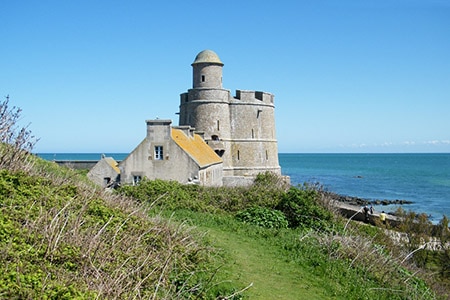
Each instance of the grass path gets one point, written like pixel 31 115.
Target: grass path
pixel 252 259
pixel 256 262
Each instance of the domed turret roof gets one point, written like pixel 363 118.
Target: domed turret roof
pixel 207 56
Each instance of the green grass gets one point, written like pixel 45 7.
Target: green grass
pixel 287 264
pixel 316 256
pixel 253 262
pixel 262 267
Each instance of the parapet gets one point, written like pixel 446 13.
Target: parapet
pixel 187 130
pixel 251 96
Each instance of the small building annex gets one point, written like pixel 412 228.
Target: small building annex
pixel 105 173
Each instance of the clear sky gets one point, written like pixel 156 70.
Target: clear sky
pixel 348 76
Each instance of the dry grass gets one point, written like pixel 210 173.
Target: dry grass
pixel 97 242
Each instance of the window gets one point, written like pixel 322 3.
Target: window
pixel 253 134
pixel 267 155
pixel 218 125
pixel 238 155
pixel 203 78
pixel 136 179
pixel 220 152
pixel 214 137
pixel 159 153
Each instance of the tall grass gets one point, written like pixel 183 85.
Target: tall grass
pixel 63 238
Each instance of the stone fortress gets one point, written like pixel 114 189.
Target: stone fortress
pixel 221 139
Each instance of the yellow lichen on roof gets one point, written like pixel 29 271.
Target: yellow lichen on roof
pixel 196 148
pixel 113 164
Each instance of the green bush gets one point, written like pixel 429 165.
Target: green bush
pixel 264 217
pixel 173 195
pixel 301 208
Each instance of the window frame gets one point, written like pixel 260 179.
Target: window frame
pixel 158 152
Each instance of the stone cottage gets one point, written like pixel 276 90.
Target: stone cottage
pixel 172 153
pixel 105 173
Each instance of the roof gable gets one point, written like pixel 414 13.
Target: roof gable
pixel 196 148
pixel 110 161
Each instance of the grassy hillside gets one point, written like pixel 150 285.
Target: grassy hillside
pixel 315 254
pixel 63 238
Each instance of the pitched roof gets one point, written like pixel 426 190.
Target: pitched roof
pixel 196 147
pixel 112 163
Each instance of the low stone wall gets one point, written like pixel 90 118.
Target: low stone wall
pixel 77 164
pixel 234 181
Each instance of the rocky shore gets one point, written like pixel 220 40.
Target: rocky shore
pixel 361 201
pixel 352 207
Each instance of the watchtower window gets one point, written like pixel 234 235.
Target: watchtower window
pixel 218 125
pixel 220 152
pixel 238 155
pixel 203 78
pixel 253 134
pixel 159 153
pixel 214 137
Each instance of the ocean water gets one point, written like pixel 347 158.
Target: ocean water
pixel 423 179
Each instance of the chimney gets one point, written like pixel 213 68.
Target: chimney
pixel 158 130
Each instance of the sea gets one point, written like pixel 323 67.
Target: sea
pixel 422 178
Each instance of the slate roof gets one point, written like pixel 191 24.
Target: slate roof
pixel 196 148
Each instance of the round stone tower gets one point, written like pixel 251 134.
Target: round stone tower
pixel 206 106
pixel 239 129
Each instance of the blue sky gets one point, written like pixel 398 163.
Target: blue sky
pixel 348 76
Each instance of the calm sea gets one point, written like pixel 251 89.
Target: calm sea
pixel 421 178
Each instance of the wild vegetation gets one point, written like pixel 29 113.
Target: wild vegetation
pixel 351 259
pixel 61 237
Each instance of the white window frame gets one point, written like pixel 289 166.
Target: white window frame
pixel 159 153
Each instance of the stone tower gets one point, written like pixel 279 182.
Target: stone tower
pixel 240 129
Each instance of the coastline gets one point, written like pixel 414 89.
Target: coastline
pixel 373 178
pixel 356 213
pixel 357 201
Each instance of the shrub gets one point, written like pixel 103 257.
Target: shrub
pixel 16 143
pixel 301 208
pixel 264 217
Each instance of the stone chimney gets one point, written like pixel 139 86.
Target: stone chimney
pixel 158 130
